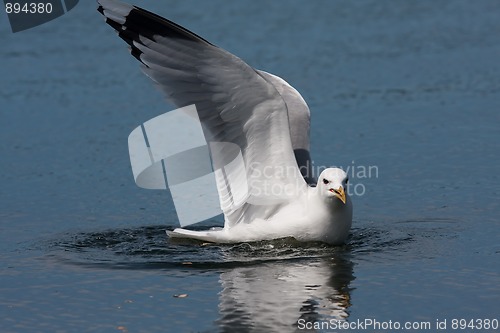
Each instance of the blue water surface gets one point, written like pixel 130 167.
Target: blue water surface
pixel 408 88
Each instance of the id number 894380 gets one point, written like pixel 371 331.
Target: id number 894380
pixel 28 8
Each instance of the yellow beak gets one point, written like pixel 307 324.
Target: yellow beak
pixel 339 193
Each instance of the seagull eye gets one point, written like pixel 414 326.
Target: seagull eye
pixel 346 180
pixel 325 181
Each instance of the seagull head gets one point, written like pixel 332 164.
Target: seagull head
pixel 332 183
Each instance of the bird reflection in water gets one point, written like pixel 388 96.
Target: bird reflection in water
pixel 274 296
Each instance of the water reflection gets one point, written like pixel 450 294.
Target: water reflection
pixel 264 286
pixel 275 296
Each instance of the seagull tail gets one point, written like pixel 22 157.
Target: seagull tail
pixel 213 236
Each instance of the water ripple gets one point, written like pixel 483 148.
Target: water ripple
pixel 149 248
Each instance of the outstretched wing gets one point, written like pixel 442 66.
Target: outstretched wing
pixel 235 104
pixel 299 119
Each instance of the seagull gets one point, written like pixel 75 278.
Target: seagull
pixel 259 112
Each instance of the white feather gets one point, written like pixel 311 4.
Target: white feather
pixel 258 112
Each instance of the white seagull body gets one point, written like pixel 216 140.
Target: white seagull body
pixel 260 113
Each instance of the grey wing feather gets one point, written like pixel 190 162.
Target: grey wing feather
pixel 235 103
pixel 299 118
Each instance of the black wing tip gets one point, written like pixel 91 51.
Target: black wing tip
pixel 128 36
pixel 149 24
pixel 159 25
pixel 115 25
pixel 140 22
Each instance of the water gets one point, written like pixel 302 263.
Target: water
pixel 412 88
